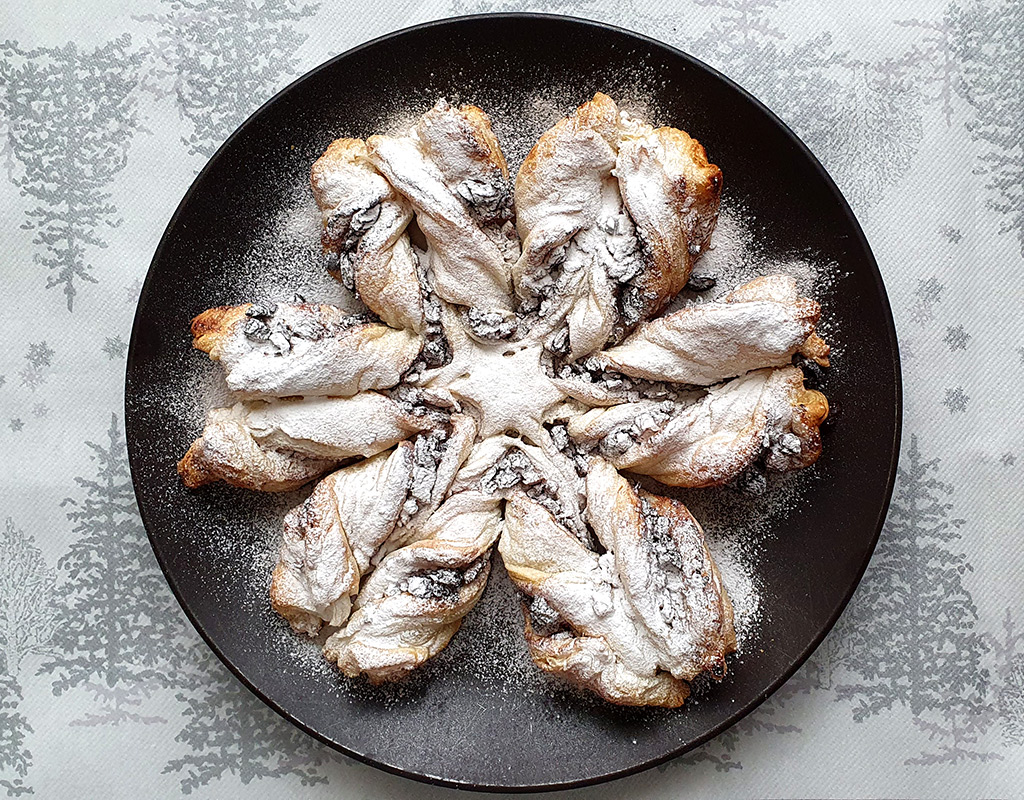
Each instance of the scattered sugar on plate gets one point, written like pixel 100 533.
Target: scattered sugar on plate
pixel 285 259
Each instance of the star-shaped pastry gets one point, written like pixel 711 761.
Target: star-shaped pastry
pixel 515 354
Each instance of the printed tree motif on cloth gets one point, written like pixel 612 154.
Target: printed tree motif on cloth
pixel 26 598
pixel 26 625
pixel 116 613
pixel 874 129
pixel 861 118
pixel 911 629
pixel 459 7
pixel 219 60
pixel 933 63
pixel 229 731
pixel 15 758
pixel 990 43
pixel 1008 683
pixel 71 115
pixel 823 669
pixel 722 751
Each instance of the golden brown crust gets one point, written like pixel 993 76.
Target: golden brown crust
pixel 816 349
pixel 693 188
pixel 339 153
pixel 191 469
pixel 214 325
pixel 561 655
pixel 599 115
pixel 197 468
pixel 479 131
pixel 810 410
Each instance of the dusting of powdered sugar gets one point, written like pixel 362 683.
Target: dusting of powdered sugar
pixel 285 258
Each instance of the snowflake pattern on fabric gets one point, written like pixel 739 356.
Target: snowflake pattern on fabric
pixel 956 400
pixel 956 68
pixel 113 347
pixel 39 355
pixel 957 338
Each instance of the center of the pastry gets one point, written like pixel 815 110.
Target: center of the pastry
pixel 507 386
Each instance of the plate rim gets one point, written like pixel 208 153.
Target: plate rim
pixel 860 241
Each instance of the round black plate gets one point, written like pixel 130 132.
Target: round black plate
pixel 471 719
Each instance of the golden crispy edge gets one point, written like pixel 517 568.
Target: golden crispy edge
pixel 543 650
pixel 214 325
pixel 810 410
pixel 340 151
pixel 599 114
pixel 196 471
pixel 690 177
pixel 192 467
pixel 479 125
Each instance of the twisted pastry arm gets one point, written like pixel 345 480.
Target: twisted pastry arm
pixel 355 517
pixel 413 603
pixel 612 213
pixel 761 324
pixel 634 624
pixel 282 350
pixel 330 539
pixel 451 170
pixel 277 445
pixel 365 227
pixel 712 440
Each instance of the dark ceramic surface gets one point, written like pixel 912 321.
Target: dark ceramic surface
pixel 456 724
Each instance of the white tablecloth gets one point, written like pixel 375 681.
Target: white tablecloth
pixel 110 108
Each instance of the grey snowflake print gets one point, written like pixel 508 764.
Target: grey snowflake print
pixel 16 424
pixel 132 292
pixel 930 290
pixel 32 377
pixel 951 234
pixel 957 338
pixel 956 400
pixel 3 380
pixel 928 293
pixel 1008 459
pixel 114 348
pixel 1020 352
pixel 40 410
pixel 39 355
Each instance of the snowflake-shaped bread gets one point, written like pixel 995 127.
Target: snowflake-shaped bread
pixel 514 356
